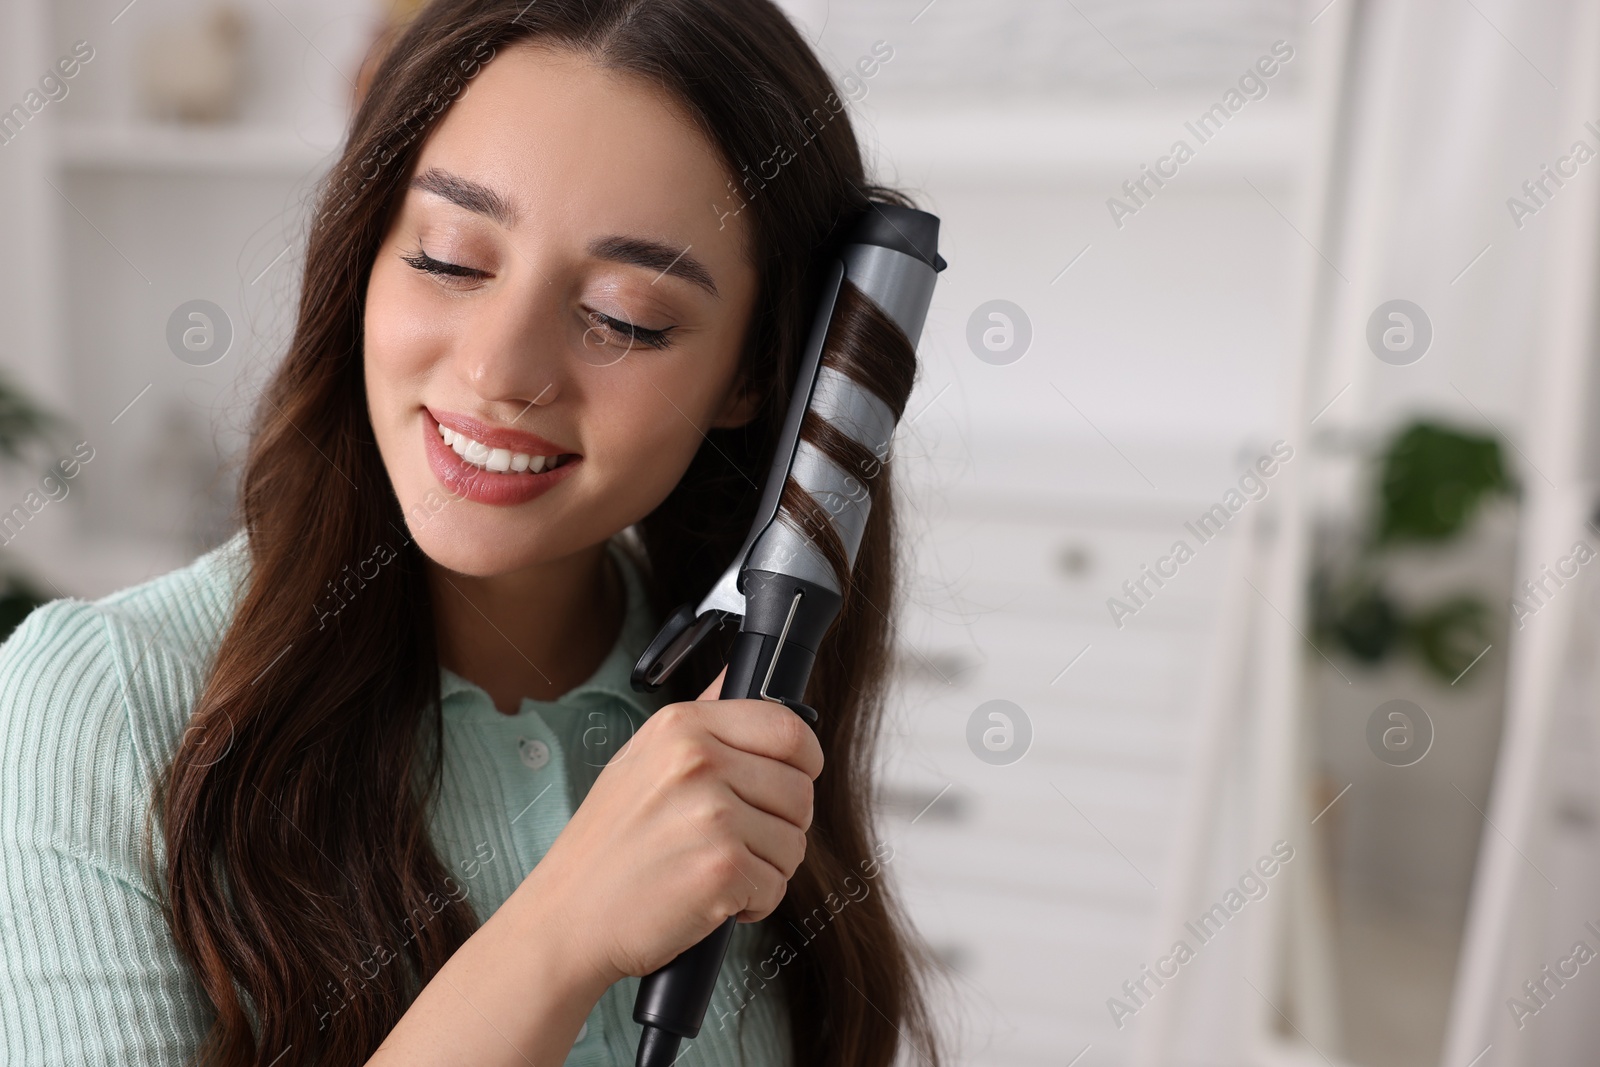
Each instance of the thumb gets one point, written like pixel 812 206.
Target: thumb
pixel 715 687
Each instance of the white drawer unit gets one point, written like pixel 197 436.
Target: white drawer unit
pixel 1037 880
pixel 1063 566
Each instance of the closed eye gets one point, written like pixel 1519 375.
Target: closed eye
pixel 648 338
pixel 421 261
pixel 428 265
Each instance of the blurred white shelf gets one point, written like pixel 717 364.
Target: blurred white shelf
pixel 1041 141
pixel 172 148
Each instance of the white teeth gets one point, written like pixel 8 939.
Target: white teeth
pixel 495 459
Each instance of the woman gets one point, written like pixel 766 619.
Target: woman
pixel 367 783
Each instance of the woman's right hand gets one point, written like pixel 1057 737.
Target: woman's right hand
pixel 702 814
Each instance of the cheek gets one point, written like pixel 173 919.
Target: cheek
pixel 644 436
pixel 397 337
pixel 646 426
pixel 398 351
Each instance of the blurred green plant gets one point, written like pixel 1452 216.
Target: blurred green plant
pixel 24 424
pixel 1431 482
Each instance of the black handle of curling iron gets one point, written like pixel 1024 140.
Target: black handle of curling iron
pixel 771 660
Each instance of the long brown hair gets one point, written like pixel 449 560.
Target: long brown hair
pixel 293 842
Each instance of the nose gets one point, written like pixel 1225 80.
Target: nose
pixel 510 353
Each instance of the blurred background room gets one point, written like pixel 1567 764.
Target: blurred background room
pixel 1245 709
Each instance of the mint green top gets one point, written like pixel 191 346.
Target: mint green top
pixel 94 697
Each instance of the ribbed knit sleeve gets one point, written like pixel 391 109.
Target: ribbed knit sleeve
pixel 94 700
pixel 89 974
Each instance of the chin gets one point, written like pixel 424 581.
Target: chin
pixel 475 561
pixel 483 541
pixel 469 538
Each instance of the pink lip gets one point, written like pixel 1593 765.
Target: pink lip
pixel 500 488
pixel 497 436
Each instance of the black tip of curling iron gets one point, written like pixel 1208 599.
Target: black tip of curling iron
pixel 657 1048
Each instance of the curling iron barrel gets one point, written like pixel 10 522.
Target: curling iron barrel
pixel 780 584
pixel 901 284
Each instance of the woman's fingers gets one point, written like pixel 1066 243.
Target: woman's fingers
pixel 745 746
pixel 777 841
pixel 773 788
pixel 714 801
pixel 763 882
pixel 736 870
pixel 759 727
pixel 769 838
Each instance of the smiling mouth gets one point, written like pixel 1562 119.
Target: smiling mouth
pixel 500 460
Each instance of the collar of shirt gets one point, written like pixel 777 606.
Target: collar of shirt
pixel 609 680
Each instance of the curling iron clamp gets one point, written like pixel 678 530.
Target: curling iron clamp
pixel 780 585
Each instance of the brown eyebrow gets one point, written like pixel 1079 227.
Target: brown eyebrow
pixel 654 255
pixel 618 248
pixel 464 192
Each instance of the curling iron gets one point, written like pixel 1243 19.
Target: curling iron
pixel 780 585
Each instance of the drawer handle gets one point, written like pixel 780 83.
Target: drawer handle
pixel 944 667
pixel 1074 561
pixel 923 803
pixel 952 955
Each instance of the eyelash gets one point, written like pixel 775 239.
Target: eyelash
pixel 428 265
pixel 425 263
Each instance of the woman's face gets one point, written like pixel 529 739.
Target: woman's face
pixel 555 206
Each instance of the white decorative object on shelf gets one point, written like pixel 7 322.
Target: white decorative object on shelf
pixel 194 71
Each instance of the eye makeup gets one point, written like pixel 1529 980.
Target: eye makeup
pixel 452 273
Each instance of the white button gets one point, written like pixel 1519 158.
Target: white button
pixel 583 1031
pixel 535 753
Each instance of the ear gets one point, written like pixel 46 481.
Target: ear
pixel 739 405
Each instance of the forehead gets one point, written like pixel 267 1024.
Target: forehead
pixel 575 147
